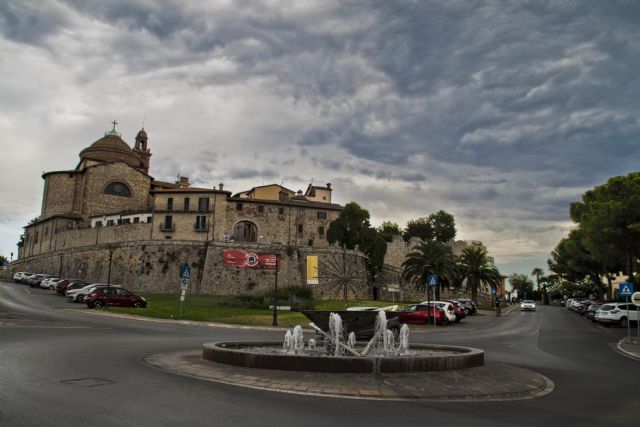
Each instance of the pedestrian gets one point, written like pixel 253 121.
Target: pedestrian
pixel 497 306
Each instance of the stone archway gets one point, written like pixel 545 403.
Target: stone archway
pixel 245 231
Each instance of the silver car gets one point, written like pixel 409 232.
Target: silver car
pixel 528 305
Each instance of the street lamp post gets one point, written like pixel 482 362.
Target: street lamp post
pixel 274 321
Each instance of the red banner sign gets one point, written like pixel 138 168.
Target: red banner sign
pixel 244 259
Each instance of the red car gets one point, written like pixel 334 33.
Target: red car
pixel 422 313
pixel 459 310
pixel 114 297
pixel 61 286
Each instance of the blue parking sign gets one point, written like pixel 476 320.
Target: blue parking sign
pixel 625 289
pixel 432 280
pixel 185 272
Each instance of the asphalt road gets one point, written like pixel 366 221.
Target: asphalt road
pixel 63 367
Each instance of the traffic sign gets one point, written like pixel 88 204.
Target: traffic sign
pixel 635 298
pixel 432 280
pixel 626 289
pixel 184 284
pixel 493 291
pixel 185 272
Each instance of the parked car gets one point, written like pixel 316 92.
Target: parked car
pixel 582 306
pixel 459 310
pixel 78 295
pixel 50 283
pixel 114 297
pixel 591 312
pixel 69 284
pixel 469 305
pixel 447 307
pixel 423 313
pixel 19 276
pixel 619 313
pixel 528 305
pixel 25 276
pixel 34 281
pixel 577 303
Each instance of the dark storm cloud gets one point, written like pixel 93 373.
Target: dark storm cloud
pixel 30 22
pixel 242 173
pixel 501 111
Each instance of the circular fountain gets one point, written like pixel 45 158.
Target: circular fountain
pixel 339 352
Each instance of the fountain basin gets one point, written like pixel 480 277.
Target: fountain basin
pixel 434 358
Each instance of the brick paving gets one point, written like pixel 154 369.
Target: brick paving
pixel 489 382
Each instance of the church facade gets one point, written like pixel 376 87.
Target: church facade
pixel 109 220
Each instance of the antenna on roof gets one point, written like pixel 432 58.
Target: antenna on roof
pixel 144 119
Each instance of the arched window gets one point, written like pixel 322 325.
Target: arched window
pixel 118 189
pixel 245 231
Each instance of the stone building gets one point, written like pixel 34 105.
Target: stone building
pixel 109 205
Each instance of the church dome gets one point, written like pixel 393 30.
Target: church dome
pixel 111 148
pixel 111 141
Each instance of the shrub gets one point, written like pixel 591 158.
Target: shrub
pixel 246 301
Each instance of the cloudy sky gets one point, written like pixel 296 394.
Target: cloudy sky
pixel 500 112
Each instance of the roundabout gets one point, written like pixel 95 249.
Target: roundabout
pixel 490 382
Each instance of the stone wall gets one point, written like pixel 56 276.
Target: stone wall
pixel 154 265
pixel 58 193
pixel 96 202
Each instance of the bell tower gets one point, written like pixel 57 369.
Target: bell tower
pixel 142 151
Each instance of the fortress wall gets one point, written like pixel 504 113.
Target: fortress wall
pixel 154 265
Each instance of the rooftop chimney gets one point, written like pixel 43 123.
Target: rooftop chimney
pixel 328 186
pixel 221 186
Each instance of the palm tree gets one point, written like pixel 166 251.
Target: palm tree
pixel 428 257
pixel 478 269
pixel 539 272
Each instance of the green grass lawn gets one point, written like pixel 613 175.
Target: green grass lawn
pixel 211 308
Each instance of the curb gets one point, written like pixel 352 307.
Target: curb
pixel 635 355
pixel 470 385
pixel 179 322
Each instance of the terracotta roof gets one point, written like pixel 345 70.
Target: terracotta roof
pixel 290 202
pixel 190 190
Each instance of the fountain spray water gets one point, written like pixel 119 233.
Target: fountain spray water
pixel 335 334
pixel 351 342
pixel 382 344
pixel 403 347
pixel 294 341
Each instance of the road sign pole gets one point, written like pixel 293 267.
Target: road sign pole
pixel 182 298
pixel 628 323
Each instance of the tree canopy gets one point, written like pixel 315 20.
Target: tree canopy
pixel 522 284
pixel 609 219
pixel 389 229
pixel 438 226
pixel 352 228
